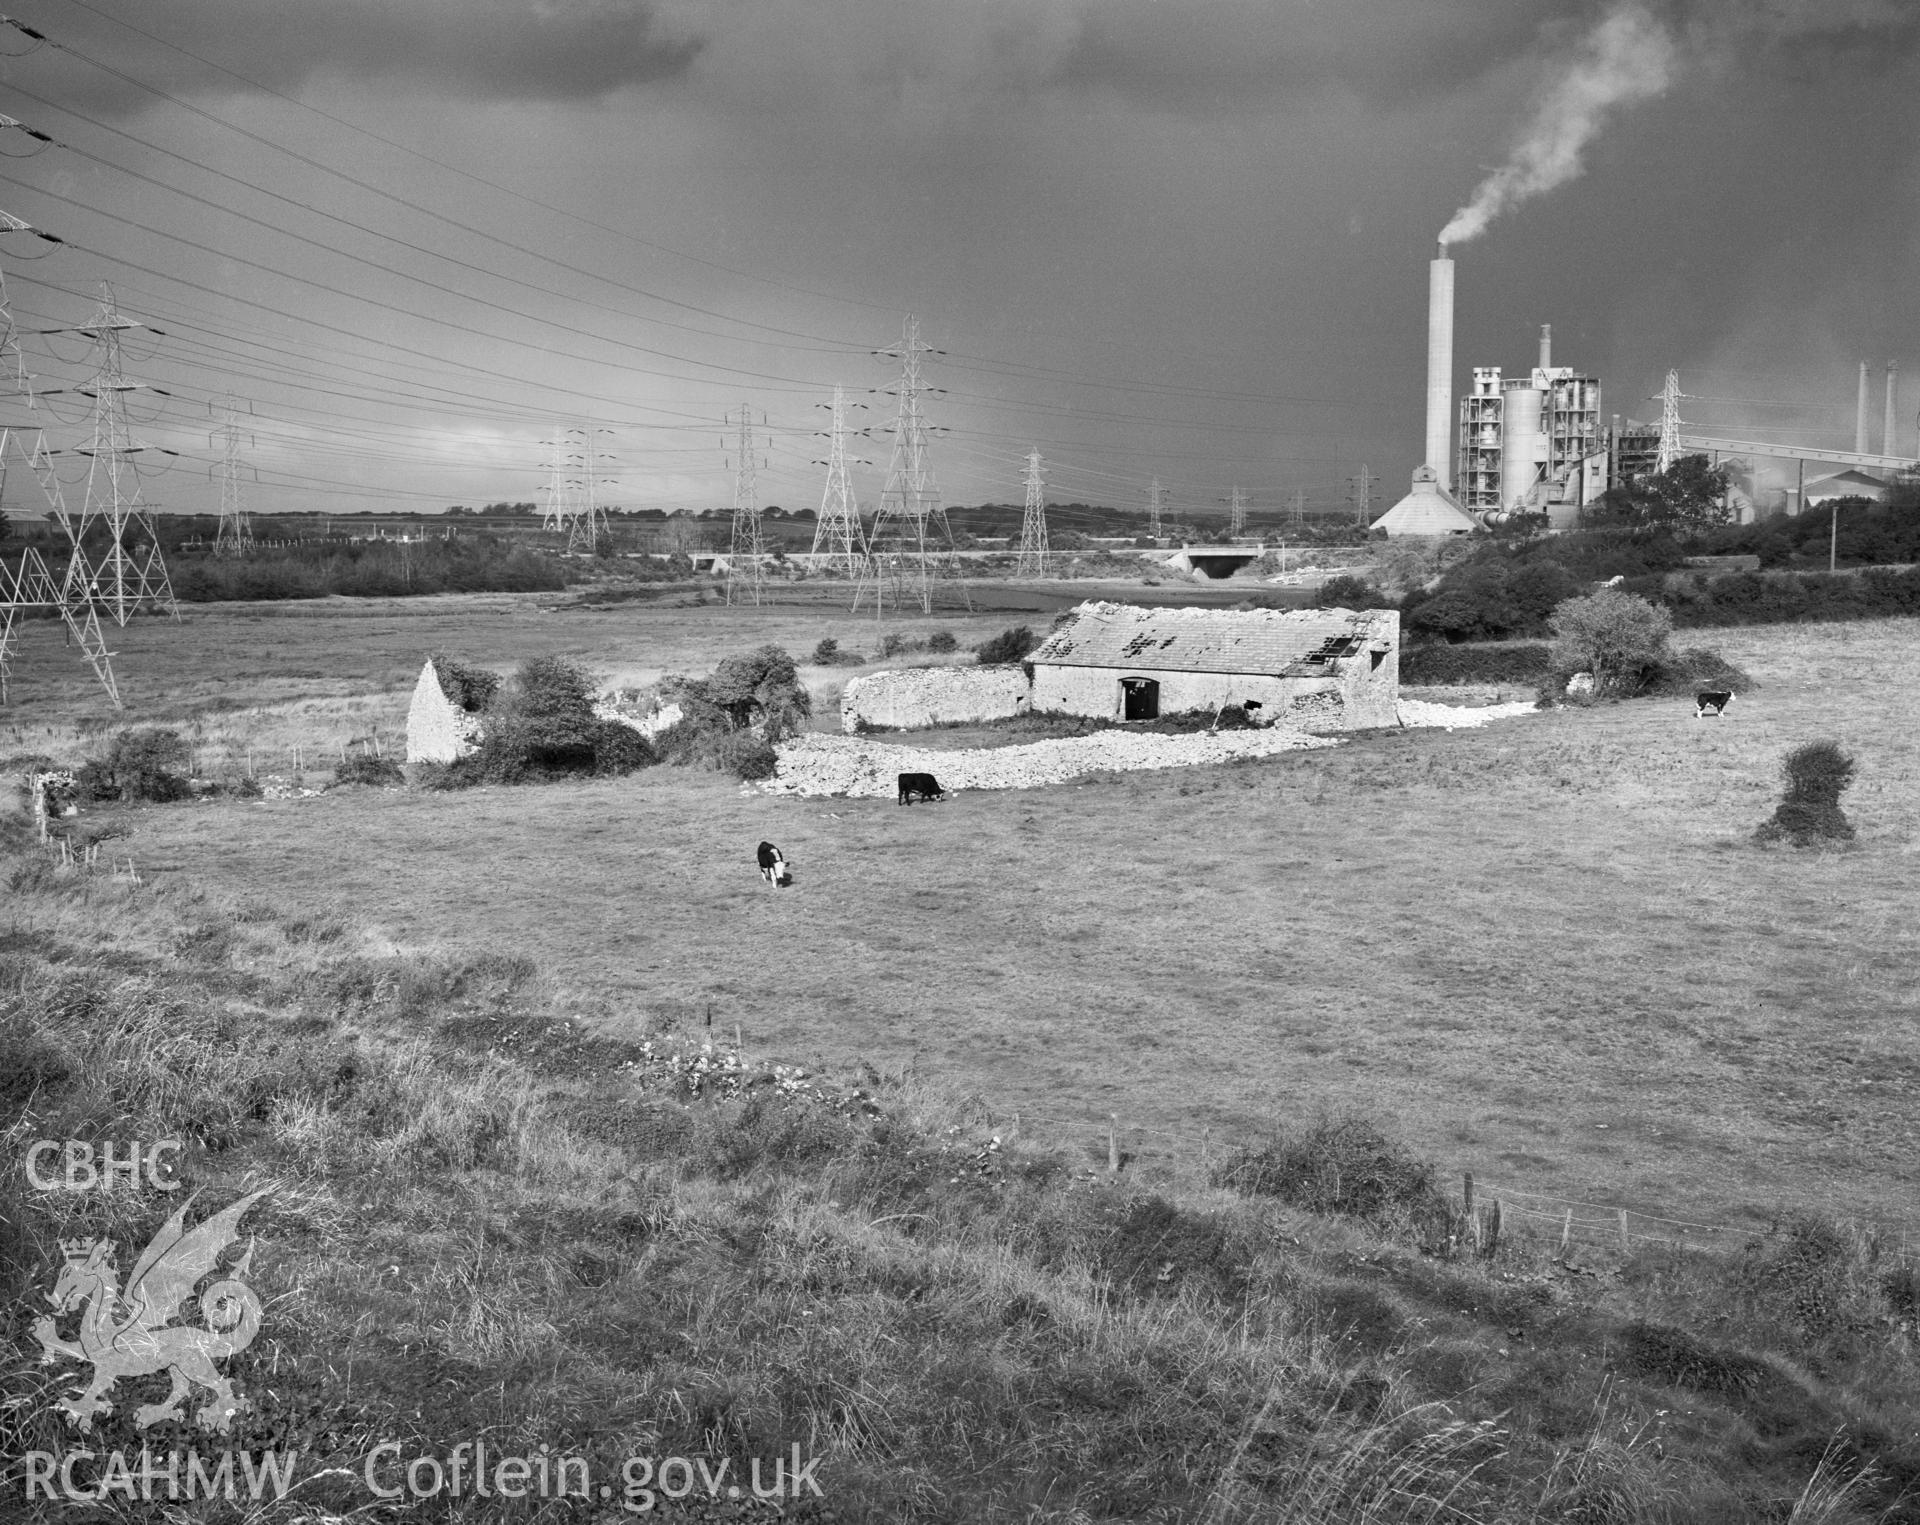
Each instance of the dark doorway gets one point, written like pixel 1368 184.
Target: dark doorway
pixel 1139 698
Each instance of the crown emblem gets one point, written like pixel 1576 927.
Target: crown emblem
pixel 77 1249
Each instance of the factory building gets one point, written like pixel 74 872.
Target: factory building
pixel 1532 443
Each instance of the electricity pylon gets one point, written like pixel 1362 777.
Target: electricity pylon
pixel 1670 396
pixel 1297 513
pixel 590 514
pixel 836 533
pixel 1237 512
pixel 558 512
pixel 573 487
pixel 1032 560
pixel 29 585
pixel 910 527
pixel 1156 509
pixel 235 535
pixel 1362 497
pixel 746 545
pixel 124 579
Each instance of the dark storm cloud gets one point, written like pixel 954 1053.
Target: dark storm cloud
pixel 1177 58
pixel 485 49
pixel 1384 50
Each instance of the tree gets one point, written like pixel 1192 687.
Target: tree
pixel 759 691
pixel 1689 494
pixel 6 529
pixel 1612 634
pixel 1349 592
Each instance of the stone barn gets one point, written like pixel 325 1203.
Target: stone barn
pixel 1324 669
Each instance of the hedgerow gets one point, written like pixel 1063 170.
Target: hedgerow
pixel 1488 662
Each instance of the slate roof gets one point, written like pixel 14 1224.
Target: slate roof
pixel 1271 642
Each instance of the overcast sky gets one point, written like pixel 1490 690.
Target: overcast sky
pixel 1183 238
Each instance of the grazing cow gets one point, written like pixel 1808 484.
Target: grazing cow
pixel 1713 702
pixel 773 866
pixel 920 786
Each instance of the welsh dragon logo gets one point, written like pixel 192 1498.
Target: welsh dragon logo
pixel 131 1333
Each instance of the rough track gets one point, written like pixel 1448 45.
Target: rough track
pixel 863 768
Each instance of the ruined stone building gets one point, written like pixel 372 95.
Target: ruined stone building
pixel 438 730
pixel 1332 669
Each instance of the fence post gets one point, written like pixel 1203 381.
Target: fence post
pixel 1626 1244
pixel 1493 1231
pixel 1566 1234
pixel 1113 1143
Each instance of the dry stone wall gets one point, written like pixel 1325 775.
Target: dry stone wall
pixel 915 697
pixel 863 767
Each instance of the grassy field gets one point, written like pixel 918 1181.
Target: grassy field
pixel 1544 951
pixel 1545 948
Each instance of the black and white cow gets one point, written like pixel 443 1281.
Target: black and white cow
pixel 1711 702
pixel 773 866
pixel 920 786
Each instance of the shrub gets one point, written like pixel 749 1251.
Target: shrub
pixel 1007 646
pixel 619 749
pixel 760 690
pixel 1349 592
pixel 543 727
pixel 1335 1165
pixel 1816 775
pixel 893 643
pixel 1613 634
pixel 943 641
pixel 148 764
pixel 471 688
pixel 747 756
pixel 733 718
pixel 1683 674
pixel 1450 616
pixel 365 768
pixel 826 653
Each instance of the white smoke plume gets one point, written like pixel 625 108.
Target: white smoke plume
pixel 1628 57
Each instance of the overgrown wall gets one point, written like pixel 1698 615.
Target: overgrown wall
pixel 921 696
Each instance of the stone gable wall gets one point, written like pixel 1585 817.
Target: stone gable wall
pixel 913 697
pixel 438 730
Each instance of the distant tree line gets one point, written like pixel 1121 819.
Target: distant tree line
pixel 369 569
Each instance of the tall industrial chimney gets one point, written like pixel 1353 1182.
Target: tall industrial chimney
pixel 1890 437
pixel 1860 415
pixel 1440 369
pixel 1546 346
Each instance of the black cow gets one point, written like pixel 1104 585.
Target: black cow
pixel 1713 702
pixel 773 866
pixel 920 786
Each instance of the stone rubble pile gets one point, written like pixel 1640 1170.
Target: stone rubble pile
pixel 863 767
pixel 1418 712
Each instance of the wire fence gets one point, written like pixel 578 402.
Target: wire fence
pixel 1570 1217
